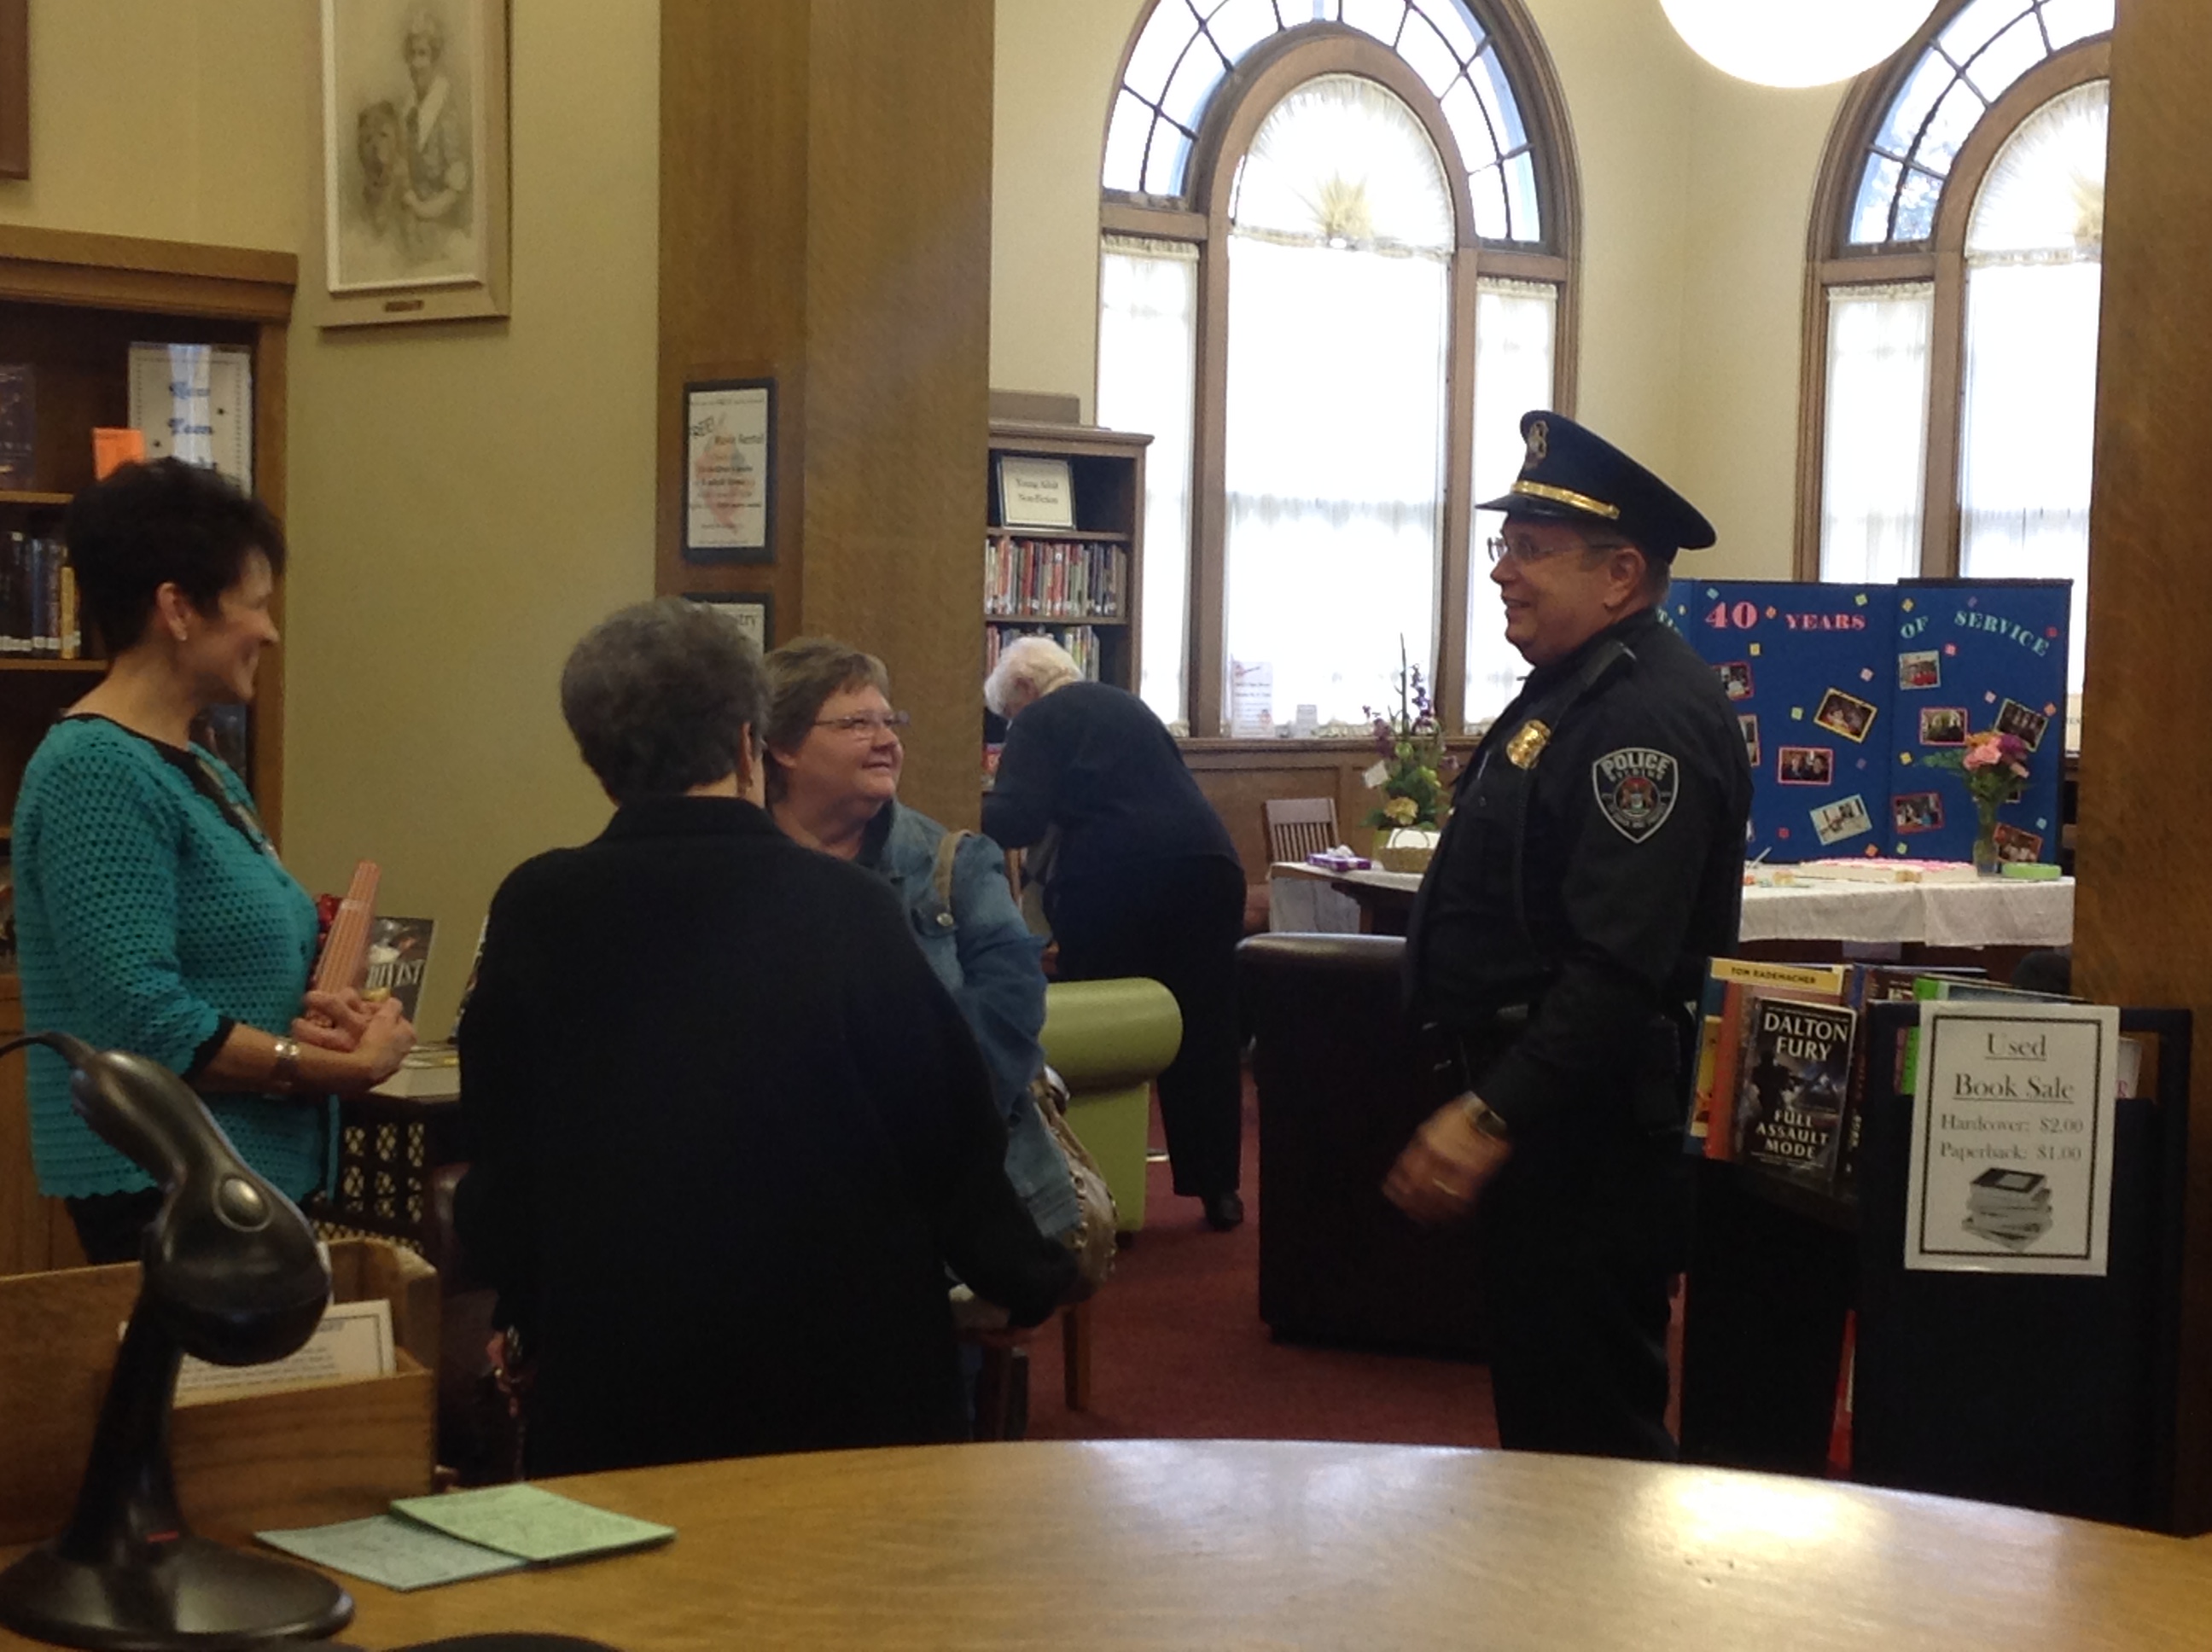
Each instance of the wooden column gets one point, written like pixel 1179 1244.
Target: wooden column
pixel 826 219
pixel 2143 920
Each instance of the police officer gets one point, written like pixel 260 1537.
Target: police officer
pixel 1593 861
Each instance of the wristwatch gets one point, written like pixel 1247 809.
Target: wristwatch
pixel 287 1074
pixel 1486 1119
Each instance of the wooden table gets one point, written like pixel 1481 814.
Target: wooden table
pixel 1161 1544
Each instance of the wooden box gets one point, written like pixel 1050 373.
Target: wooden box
pixel 295 1458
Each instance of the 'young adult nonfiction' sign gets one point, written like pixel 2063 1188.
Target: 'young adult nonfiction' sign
pixel 2011 1170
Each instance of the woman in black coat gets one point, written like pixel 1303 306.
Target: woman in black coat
pixel 727 1131
pixel 1142 880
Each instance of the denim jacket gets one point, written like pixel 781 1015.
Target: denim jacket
pixel 988 960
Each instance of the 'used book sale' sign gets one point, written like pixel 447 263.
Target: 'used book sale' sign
pixel 2012 1139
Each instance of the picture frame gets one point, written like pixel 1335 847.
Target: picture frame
pixel 1846 714
pixel 754 611
pixel 410 190
pixel 15 88
pixel 729 471
pixel 1034 492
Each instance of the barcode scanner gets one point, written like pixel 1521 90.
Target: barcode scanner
pixel 233 1274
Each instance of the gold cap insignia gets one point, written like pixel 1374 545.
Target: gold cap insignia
pixel 1527 744
pixel 1540 443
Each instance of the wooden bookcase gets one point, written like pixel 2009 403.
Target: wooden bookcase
pixel 72 305
pixel 1107 468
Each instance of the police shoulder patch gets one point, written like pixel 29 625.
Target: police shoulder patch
pixel 1636 787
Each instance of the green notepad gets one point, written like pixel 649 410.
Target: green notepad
pixel 425 1541
pixel 532 1523
pixel 399 1554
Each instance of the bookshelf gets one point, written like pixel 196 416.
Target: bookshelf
pixel 70 305
pixel 1082 586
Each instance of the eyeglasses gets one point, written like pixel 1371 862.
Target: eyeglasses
pixel 1523 551
pixel 867 722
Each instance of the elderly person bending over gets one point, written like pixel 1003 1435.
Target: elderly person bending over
pixel 834 760
pixel 728 1130
pixel 1143 881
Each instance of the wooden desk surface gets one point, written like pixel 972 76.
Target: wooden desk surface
pixel 1161 1544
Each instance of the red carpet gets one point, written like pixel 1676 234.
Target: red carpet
pixel 1180 1351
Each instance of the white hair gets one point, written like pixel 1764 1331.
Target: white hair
pixel 1037 665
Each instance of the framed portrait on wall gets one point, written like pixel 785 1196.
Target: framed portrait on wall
pixel 15 88
pixel 729 471
pixel 410 185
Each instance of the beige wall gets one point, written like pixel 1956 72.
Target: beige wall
pixel 1695 192
pixel 465 501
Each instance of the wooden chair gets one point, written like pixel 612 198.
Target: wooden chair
pixel 1299 827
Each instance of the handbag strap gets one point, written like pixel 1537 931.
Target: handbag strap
pixel 948 849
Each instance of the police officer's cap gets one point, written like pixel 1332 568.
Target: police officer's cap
pixel 1571 475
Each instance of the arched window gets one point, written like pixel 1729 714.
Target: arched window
pixel 1336 267
pixel 1952 350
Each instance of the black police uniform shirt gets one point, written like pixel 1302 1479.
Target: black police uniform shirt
pixel 1630 865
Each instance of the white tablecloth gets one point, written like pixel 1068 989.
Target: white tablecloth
pixel 1988 912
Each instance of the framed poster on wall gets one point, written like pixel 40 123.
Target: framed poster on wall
pixel 729 471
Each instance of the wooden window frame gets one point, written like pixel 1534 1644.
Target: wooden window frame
pixel 1244 100
pixel 1832 262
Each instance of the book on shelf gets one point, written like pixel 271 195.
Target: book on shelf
pixel 18 424
pixel 38 600
pixel 398 956
pixel 1794 1068
pixel 1721 1034
pixel 1054 579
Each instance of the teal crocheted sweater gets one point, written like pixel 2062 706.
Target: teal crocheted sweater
pixel 149 918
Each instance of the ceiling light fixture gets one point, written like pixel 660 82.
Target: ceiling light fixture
pixel 1796 42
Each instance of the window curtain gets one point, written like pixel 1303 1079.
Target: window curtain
pixel 1877 431
pixel 1339 263
pixel 1515 323
pixel 2035 277
pixel 1147 371
pixel 1333 474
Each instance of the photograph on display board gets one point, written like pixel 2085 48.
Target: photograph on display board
pixel 2012 718
pixel 1748 725
pixel 1922 669
pixel 1942 725
pixel 1735 679
pixel 1844 714
pixel 1805 765
pixel 1917 811
pixel 2018 844
pixel 1847 818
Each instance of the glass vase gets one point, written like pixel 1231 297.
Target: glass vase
pixel 1985 839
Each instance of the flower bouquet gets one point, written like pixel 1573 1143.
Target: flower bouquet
pixel 1409 775
pixel 1994 766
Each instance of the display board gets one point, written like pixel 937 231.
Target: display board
pixel 1843 692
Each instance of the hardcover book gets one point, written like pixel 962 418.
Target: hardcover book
pixel 1790 1101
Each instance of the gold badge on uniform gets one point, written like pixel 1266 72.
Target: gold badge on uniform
pixel 1527 744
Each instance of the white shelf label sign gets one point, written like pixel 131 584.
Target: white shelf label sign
pixel 2011 1170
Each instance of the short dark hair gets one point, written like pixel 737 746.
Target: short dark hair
pixel 166 523
pixel 802 675
pixel 659 696
pixel 1658 577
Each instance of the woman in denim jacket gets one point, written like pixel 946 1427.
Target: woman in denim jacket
pixel 835 755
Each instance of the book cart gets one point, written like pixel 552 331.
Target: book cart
pixel 72 305
pixel 2050 1392
pixel 1080 585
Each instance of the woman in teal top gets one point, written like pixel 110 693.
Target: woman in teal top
pixel 152 913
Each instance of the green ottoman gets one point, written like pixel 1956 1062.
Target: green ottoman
pixel 1108 1039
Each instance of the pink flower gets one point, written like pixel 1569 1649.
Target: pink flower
pixel 1984 755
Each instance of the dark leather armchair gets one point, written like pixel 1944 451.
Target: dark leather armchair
pixel 1342 1089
